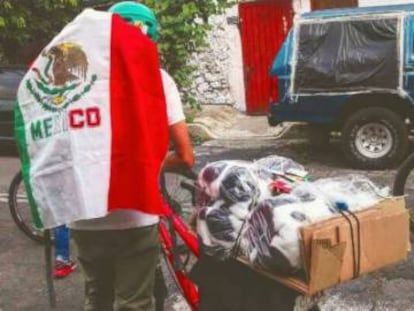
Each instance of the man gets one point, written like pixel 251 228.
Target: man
pixel 119 253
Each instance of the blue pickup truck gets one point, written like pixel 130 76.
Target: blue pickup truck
pixel 351 71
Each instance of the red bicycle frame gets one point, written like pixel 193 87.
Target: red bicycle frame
pixel 188 288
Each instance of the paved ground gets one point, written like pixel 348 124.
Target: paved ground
pixel 22 284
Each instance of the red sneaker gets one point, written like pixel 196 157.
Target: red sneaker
pixel 63 269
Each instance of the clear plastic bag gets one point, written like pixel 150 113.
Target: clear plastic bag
pixel 227 192
pixel 219 226
pixel 231 181
pixel 235 192
pixel 356 191
pixel 273 166
pixel 258 236
pixel 271 237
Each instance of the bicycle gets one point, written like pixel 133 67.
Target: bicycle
pixel 404 185
pixel 20 209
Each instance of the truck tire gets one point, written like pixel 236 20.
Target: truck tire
pixel 375 138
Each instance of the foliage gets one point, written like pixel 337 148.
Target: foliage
pixel 27 26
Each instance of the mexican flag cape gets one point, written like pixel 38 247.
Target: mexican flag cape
pixel 91 123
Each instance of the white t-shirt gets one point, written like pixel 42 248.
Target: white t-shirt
pixel 127 219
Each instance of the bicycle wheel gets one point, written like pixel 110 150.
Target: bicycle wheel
pixel 404 185
pixel 178 189
pixel 20 209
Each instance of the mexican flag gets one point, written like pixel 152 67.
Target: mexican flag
pixel 91 123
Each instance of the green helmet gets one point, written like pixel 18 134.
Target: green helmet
pixel 137 14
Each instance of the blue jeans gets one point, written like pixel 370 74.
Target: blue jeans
pixel 62 237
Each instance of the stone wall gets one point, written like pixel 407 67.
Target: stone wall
pixel 219 78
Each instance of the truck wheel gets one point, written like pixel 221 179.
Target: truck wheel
pixel 375 138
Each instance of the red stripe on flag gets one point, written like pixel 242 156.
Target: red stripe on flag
pixel 138 120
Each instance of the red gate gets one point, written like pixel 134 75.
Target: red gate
pixel 263 26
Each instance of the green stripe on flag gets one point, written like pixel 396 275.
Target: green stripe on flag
pixel 20 136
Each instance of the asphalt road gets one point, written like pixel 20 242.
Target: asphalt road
pixel 22 285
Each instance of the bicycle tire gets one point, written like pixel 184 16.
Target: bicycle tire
pixel 180 198
pixel 174 188
pixel 27 228
pixel 400 183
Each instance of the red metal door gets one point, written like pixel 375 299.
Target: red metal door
pixel 263 26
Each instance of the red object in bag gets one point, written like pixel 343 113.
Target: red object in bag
pixel 280 186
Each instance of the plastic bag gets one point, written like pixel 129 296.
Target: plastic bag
pixel 356 191
pixel 273 166
pixel 228 191
pixel 238 211
pixel 272 235
pixel 219 226
pixel 231 181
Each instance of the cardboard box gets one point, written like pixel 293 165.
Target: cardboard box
pixel 330 257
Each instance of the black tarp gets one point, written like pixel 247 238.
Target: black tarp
pixel 347 56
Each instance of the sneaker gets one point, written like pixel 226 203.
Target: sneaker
pixel 63 268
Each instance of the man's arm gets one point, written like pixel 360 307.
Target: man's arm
pixel 183 154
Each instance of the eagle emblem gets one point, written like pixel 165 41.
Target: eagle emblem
pixel 62 77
